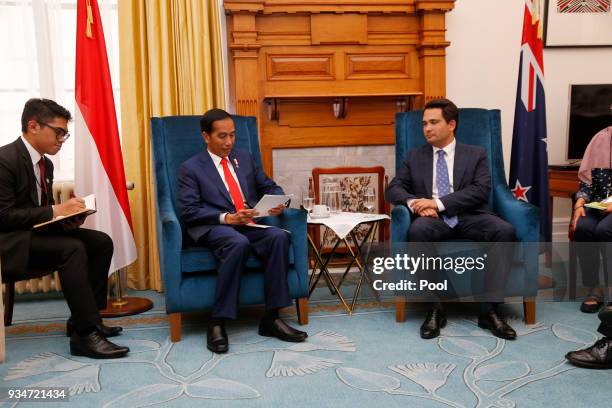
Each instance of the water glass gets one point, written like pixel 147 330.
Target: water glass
pixel 369 199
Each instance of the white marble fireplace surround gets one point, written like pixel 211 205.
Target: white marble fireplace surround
pixel 292 167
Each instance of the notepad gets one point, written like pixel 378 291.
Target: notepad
pixel 269 202
pixel 90 208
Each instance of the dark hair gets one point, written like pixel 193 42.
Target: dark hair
pixel 449 109
pixel 210 117
pixel 42 110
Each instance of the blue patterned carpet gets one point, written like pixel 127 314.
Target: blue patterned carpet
pixel 348 361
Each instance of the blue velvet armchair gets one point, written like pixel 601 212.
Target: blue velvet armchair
pixel 479 127
pixel 189 273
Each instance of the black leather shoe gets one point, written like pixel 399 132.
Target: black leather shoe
pixel 106 331
pixel 592 303
pixel 434 321
pixel 281 330
pixel 95 345
pixel 492 321
pixel 216 339
pixel 605 315
pixel 599 355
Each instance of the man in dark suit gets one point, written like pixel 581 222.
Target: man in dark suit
pixel 81 256
pixel 446 185
pixel 217 190
pixel 599 355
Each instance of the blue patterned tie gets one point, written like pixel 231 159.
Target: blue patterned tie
pixel 444 185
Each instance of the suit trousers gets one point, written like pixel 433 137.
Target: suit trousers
pixel 82 257
pixel 232 246
pixel 593 231
pixel 482 227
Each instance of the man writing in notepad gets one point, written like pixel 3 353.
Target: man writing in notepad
pixel 81 256
pixel 217 190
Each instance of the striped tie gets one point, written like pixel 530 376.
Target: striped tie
pixel 444 185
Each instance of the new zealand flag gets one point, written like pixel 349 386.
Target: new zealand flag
pixel 529 160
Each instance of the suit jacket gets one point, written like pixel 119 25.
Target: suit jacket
pixel 471 180
pixel 203 197
pixel 19 207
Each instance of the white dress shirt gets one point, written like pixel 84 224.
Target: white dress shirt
pixel 217 161
pixel 35 156
pixel 450 161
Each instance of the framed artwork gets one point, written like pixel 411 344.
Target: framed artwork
pixel 353 183
pixel 578 23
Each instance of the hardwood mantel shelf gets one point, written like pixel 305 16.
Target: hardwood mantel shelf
pixel 358 95
pixel 340 103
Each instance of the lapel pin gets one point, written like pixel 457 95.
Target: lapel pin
pixel 236 163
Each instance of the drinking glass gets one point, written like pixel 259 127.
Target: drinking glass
pixel 369 199
pixel 331 195
pixel 307 201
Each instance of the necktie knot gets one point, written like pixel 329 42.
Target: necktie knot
pixel 441 153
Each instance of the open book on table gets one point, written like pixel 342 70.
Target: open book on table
pixel 90 208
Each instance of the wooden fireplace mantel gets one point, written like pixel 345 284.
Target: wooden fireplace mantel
pixel 321 73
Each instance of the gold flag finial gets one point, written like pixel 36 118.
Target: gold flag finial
pixel 89 19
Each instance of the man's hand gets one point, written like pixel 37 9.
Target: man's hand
pixel 579 212
pixel 241 217
pixel 73 222
pixel 428 213
pixel 69 207
pixel 421 204
pixel 278 210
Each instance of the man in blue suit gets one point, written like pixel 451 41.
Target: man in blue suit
pixel 446 186
pixel 217 190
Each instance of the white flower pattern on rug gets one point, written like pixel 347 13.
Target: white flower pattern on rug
pixel 80 375
pixel 509 375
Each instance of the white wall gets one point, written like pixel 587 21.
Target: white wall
pixel 482 71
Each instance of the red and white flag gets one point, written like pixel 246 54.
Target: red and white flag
pixel 98 159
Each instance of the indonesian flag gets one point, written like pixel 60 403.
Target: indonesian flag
pixel 98 158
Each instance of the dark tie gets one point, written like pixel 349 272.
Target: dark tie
pixel 43 183
pixel 232 185
pixel 444 185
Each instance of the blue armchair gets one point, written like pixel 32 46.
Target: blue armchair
pixel 479 127
pixel 189 273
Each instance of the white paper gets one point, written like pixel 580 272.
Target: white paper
pixel 268 202
pixel 257 226
pixel 90 202
pixel 607 200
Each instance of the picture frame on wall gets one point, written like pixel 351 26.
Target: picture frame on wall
pixel 578 23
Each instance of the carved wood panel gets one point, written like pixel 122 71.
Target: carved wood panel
pixel 334 73
pixel 300 67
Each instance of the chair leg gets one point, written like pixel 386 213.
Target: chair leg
pixel 302 310
pixel 529 310
pixel 572 270
pixel 175 327
pixel 400 309
pixel 9 301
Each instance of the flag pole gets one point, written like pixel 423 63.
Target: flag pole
pixel 124 305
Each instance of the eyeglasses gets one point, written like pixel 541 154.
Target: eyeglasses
pixel 60 133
